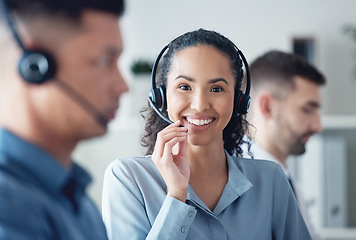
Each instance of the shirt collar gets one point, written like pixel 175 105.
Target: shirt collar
pixel 237 180
pixel 40 164
pixel 236 186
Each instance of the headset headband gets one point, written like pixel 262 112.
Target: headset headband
pixel 10 22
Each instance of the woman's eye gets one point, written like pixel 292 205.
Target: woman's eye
pixel 184 87
pixel 217 89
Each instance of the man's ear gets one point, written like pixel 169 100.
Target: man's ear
pixel 266 104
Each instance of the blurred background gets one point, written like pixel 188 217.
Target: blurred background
pixel 323 31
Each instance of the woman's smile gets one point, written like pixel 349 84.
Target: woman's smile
pixel 198 123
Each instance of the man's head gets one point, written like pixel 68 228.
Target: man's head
pixel 285 102
pixel 84 39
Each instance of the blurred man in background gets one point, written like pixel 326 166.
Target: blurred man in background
pixel 59 84
pixel 284 111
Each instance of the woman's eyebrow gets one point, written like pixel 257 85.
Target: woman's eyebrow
pixel 185 77
pixel 210 81
pixel 219 80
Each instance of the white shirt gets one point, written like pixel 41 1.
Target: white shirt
pixel 259 152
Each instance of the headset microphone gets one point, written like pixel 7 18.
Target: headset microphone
pixel 100 118
pixel 37 67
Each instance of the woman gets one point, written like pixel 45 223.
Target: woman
pixel 191 187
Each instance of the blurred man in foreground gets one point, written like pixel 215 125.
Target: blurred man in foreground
pixel 59 84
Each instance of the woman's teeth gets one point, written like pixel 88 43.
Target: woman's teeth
pixel 199 122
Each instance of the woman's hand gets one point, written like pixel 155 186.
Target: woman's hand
pixel 174 168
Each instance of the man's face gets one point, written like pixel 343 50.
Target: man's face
pixel 88 64
pixel 298 117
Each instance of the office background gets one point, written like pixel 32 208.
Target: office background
pixel 255 27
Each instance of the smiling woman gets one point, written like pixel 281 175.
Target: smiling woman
pixel 173 195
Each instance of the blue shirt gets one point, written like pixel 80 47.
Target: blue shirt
pixel 35 200
pixel 257 203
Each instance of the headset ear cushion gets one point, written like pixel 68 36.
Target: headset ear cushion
pixel 242 103
pixel 157 96
pixel 161 92
pixel 36 67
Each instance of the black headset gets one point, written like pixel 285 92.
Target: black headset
pixel 34 66
pixel 157 95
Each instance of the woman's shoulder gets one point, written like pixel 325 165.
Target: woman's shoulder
pixel 258 167
pixel 138 174
pixel 263 173
pixel 259 163
pixel 132 164
pixel 255 163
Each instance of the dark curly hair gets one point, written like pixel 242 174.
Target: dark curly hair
pixel 237 125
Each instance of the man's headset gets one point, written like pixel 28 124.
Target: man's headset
pixel 37 66
pixel 34 66
pixel 157 95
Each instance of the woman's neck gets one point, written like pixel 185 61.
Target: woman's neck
pixel 206 160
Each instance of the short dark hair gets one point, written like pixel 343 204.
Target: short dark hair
pixel 235 129
pixel 279 68
pixel 71 9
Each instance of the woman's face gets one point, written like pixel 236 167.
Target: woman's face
pixel 200 93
